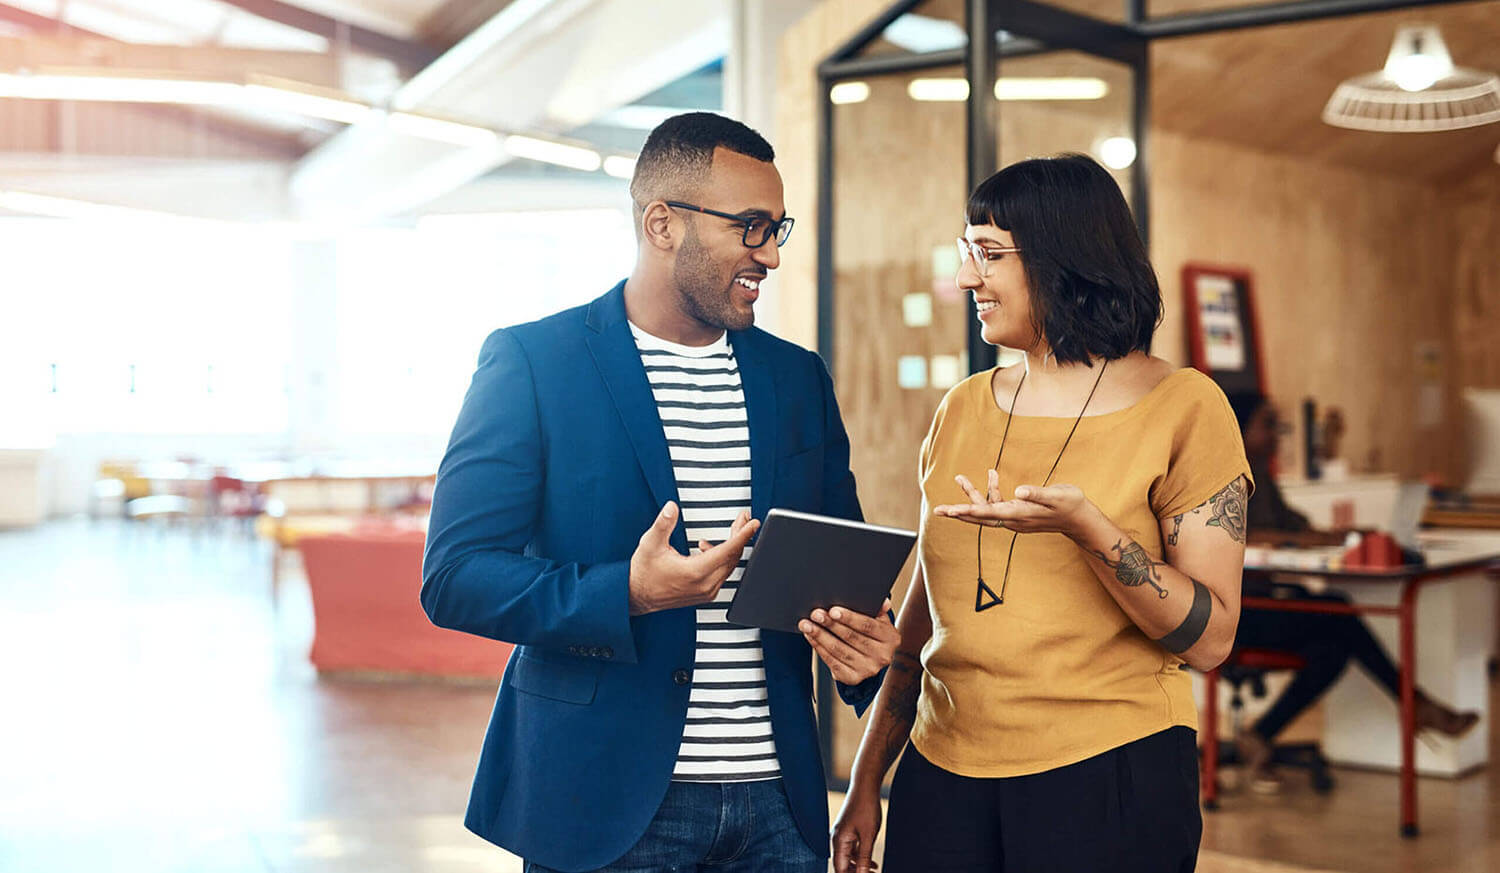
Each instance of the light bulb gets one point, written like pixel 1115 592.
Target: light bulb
pixel 1117 152
pixel 1418 58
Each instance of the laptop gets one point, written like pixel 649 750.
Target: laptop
pixel 1406 515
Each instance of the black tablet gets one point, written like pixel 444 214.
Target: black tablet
pixel 803 562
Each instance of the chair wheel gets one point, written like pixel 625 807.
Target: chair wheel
pixel 1322 783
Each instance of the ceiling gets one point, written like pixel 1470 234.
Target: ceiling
pixel 1265 88
pixel 1262 88
pixel 566 68
pixel 553 68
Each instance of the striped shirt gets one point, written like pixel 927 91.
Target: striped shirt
pixel 727 737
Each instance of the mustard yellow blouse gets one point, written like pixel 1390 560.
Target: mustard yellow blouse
pixel 1057 673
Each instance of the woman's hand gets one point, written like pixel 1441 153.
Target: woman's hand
pixel 1060 509
pixel 855 829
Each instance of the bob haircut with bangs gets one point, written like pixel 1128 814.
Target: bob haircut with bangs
pixel 1093 291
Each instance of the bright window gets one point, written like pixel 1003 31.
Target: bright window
pixel 118 327
pixel 416 304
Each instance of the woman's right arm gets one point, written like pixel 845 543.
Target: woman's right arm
pixel 886 735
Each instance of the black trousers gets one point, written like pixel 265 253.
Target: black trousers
pixel 1133 809
pixel 1326 642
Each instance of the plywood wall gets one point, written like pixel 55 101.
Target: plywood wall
pixel 1473 212
pixel 1354 279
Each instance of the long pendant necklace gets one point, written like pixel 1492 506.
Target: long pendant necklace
pixel 984 596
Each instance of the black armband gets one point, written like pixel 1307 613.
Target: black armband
pixel 1192 627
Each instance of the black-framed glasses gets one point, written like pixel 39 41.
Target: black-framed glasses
pixel 758 228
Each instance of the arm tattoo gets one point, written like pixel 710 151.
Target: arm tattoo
pixel 903 684
pixel 1188 633
pixel 1176 528
pixel 1228 507
pixel 1134 567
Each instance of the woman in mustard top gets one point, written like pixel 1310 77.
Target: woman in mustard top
pixel 1081 543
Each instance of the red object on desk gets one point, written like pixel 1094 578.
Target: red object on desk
pixel 367 615
pixel 1376 551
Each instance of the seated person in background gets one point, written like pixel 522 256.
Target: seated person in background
pixel 1326 642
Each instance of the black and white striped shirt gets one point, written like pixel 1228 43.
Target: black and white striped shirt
pixel 701 402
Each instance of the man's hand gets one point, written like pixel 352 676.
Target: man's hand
pixel 661 578
pixel 855 647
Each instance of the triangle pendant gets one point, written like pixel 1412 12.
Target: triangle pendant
pixel 984 598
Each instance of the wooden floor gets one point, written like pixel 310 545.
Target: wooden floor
pixel 160 715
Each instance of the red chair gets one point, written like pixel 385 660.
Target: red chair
pixel 367 615
pixel 1249 666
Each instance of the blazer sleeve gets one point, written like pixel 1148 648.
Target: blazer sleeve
pixel 841 500
pixel 476 574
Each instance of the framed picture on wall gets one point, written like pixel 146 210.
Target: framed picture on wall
pixel 1223 334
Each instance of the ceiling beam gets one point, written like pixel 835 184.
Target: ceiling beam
pixel 42 23
pixel 406 53
pixel 53 41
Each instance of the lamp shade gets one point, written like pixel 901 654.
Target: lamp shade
pixel 1419 90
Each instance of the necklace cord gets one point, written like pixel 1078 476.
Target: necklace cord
pixel 999 598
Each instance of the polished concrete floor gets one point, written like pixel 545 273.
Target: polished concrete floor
pixel 160 715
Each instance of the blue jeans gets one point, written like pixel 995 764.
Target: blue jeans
pixel 731 827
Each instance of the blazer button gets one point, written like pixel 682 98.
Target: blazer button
pixel 681 677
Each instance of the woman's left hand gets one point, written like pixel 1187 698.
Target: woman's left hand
pixel 1060 509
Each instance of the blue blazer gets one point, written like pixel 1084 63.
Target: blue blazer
pixel 556 466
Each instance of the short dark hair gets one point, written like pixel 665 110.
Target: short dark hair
pixel 678 154
pixel 1093 291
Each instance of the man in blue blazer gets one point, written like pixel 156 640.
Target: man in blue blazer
pixel 595 505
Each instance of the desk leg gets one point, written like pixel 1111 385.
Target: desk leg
pixel 1211 740
pixel 1408 669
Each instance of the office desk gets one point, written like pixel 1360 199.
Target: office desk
pixel 1409 581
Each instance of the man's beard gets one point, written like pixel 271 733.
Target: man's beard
pixel 703 289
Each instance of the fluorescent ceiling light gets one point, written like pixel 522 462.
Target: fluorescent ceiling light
pixel 639 117
pixel 66 207
pixel 261 92
pixel 564 155
pixel 275 94
pixel 850 92
pixel 440 129
pixel 121 89
pixel 341 109
pixel 620 167
pixel 939 90
pixel 922 34
pixel 1072 88
pixel 1010 88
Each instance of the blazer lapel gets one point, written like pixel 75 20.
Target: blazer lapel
pixel 619 363
pixel 759 381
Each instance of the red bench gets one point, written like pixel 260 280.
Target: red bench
pixel 367 616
